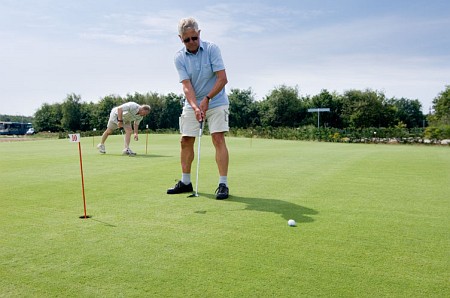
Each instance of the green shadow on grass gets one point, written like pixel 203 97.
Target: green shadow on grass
pixel 287 210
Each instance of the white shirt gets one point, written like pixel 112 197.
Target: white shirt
pixel 130 112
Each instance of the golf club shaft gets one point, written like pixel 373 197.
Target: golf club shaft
pixel 198 156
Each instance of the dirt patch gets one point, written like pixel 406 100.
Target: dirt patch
pixel 16 139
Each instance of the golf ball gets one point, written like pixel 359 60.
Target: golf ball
pixel 291 223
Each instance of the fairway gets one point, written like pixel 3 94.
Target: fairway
pixel 372 220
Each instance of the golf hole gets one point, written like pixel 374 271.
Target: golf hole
pixel 83 217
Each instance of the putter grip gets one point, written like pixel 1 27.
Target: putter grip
pixel 201 129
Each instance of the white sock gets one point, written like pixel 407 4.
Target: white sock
pixel 186 178
pixel 223 179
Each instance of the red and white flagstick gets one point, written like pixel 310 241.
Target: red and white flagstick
pixel 75 138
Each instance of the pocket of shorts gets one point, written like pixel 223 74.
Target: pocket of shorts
pixel 226 113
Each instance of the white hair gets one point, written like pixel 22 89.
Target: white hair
pixel 187 24
pixel 146 107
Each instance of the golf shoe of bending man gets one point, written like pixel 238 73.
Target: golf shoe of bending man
pixel 202 74
pixel 121 117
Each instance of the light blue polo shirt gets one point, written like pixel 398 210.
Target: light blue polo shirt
pixel 200 69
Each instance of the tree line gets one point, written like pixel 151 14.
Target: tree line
pixel 283 107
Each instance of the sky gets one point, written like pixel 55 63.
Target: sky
pixel 52 48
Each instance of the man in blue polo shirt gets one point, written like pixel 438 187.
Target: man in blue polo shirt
pixel 202 74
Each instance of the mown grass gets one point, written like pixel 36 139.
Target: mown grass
pixel 372 220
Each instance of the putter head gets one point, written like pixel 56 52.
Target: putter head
pixel 193 195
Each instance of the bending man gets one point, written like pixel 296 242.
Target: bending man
pixel 121 117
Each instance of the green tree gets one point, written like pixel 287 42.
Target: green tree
pixel 329 100
pixel 170 111
pixel 364 109
pixel 439 121
pixel 48 118
pixel 441 107
pixel 87 112
pixel 16 118
pixel 407 111
pixel 71 110
pixel 282 107
pixel 243 109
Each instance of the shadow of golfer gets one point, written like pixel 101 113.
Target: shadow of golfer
pixel 149 156
pixel 287 210
pixel 139 155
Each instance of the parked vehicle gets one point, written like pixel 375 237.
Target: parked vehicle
pixel 15 128
pixel 30 131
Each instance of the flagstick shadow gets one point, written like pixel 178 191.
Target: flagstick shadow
pixel 102 222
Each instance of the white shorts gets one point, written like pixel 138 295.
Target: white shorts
pixel 113 122
pixel 217 119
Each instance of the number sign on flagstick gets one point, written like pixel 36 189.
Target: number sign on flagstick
pixel 75 138
pixel 146 140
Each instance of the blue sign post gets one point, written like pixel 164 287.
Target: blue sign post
pixel 318 110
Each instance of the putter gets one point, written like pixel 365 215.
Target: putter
pixel 195 194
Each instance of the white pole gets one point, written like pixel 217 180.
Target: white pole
pixel 318 117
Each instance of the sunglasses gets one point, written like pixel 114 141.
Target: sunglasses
pixel 193 38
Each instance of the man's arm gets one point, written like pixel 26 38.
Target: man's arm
pixel 218 86
pixel 120 117
pixel 190 97
pixel 136 130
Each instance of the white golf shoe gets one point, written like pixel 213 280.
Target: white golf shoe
pixel 128 151
pixel 101 148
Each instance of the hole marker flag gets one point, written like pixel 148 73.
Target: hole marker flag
pixel 75 138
